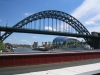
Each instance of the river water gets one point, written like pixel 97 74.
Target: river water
pixel 26 50
pixel 29 50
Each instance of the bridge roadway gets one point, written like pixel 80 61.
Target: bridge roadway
pixel 23 30
pixel 85 67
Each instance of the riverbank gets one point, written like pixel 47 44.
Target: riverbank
pixel 7 50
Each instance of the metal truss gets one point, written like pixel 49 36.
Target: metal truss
pixel 54 14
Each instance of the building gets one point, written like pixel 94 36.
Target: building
pixel 65 42
pixel 46 44
pixel 49 44
pixel 35 45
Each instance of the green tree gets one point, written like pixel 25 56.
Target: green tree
pixel 1 46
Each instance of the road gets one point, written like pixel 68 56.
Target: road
pixel 25 70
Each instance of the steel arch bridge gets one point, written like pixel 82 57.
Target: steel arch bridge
pixel 51 14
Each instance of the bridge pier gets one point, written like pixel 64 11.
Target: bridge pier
pixel 96 43
pixel 95 40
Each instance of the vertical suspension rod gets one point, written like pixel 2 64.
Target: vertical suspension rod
pixel 69 28
pixel 31 24
pixel 48 24
pixel 44 23
pixel 52 24
pixel 56 24
pixel 34 24
pixel 63 26
pixel 39 24
pixel 26 26
pixel 59 25
pixel 66 27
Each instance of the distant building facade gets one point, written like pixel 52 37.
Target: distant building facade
pixel 46 44
pixel 35 45
pixel 49 44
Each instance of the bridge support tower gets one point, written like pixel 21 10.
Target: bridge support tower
pixel 95 42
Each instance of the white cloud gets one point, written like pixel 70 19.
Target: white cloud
pixel 50 28
pixel 35 37
pixel 27 14
pixel 61 28
pixel 64 27
pixel 90 23
pixel 96 18
pixel 87 8
pixel 96 29
pixel 89 14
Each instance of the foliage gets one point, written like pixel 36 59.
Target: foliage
pixel 1 46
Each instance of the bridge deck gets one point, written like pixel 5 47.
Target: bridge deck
pixel 21 30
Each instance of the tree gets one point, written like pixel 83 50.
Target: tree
pixel 1 46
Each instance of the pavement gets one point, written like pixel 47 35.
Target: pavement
pixel 85 67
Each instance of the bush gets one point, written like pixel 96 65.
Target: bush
pixel 1 46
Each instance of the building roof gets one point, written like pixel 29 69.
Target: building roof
pixel 59 39
pixel 62 39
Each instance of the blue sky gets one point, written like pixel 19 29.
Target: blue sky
pixel 12 11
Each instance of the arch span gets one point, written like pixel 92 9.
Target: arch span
pixel 51 14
